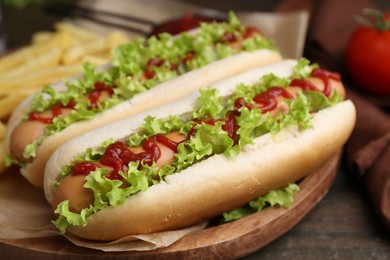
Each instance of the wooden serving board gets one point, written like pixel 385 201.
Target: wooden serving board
pixel 231 240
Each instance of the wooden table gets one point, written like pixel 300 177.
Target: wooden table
pixel 342 226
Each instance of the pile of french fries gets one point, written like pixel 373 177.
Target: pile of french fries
pixel 50 57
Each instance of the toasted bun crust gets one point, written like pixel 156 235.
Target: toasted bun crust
pixel 219 184
pixel 157 96
pixel 122 128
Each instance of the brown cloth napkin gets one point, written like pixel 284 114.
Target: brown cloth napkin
pixel 368 150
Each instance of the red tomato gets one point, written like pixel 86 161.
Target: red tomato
pixel 368 56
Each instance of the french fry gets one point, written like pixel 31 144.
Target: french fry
pixel 77 32
pixel 3 152
pixel 49 59
pixel 40 37
pixel 22 93
pixel 16 58
pixel 2 130
pixel 8 104
pixel 40 78
pixel 114 39
pixel 77 52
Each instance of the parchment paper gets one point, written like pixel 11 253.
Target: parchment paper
pixel 24 212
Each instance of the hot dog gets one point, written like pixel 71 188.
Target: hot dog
pixel 168 67
pixel 203 155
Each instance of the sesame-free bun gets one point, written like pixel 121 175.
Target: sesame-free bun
pixel 219 184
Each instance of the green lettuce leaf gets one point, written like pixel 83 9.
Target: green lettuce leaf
pixel 210 104
pixel 155 125
pixel 249 121
pixel 111 192
pixel 281 197
pixel 208 140
pixel 250 91
pixel 67 217
pixel 299 114
pixel 256 42
pixel 303 69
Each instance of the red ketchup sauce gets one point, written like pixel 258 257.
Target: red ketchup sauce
pixel 230 37
pixel 56 110
pixel 118 155
pixel 231 125
pixel 153 62
pixel 96 93
pixel 322 74
pixel 268 98
pixel 250 32
pixel 187 22
pixel 83 168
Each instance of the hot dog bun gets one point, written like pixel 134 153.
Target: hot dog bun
pixel 200 192
pixel 216 184
pixel 159 95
